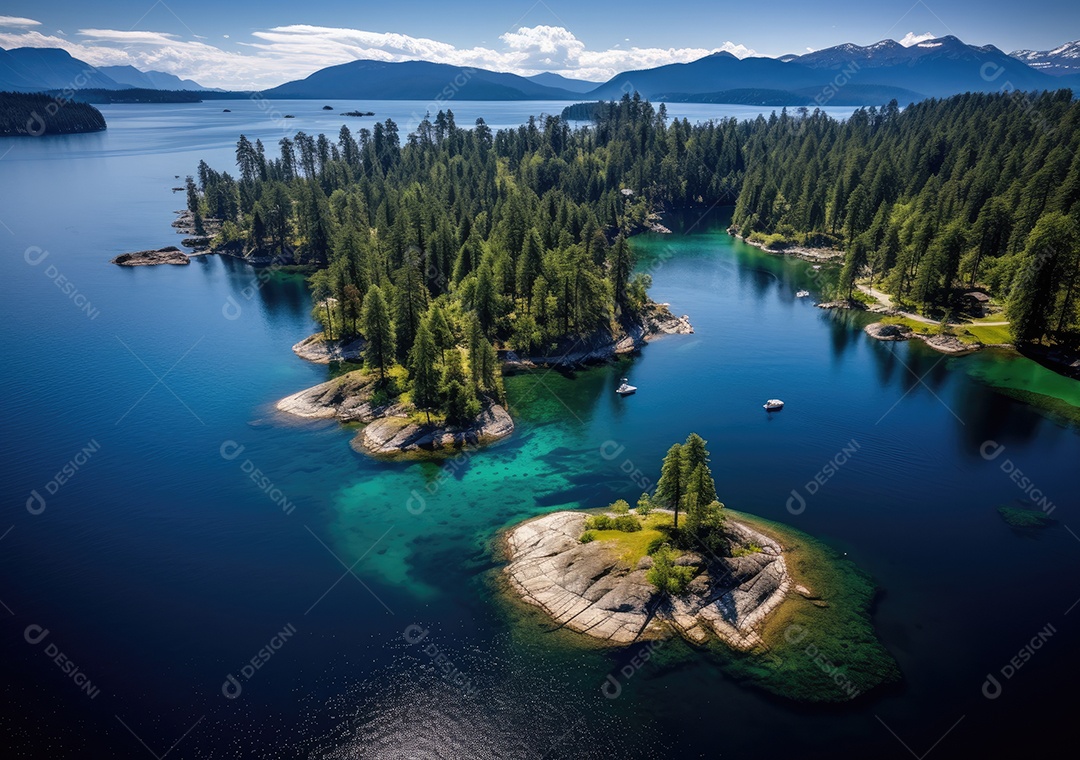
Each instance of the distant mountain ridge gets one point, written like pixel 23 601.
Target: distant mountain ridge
pixel 549 79
pixel 40 69
pixel 129 76
pixel 846 75
pixel 415 80
pixel 1060 61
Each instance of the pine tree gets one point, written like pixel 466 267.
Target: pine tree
pixel 671 489
pixel 459 400
pixel 422 369
pixel 378 329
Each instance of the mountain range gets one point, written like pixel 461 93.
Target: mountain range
pixel 38 69
pixel 1057 62
pixel 846 74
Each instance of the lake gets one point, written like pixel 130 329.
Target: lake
pixel 183 568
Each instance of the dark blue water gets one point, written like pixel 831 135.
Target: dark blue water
pixel 159 567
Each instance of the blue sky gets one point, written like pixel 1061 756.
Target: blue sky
pixel 256 44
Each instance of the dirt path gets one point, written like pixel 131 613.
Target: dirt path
pixel 887 302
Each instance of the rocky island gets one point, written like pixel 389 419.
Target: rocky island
pixel 393 425
pixel 775 606
pixel 590 588
pixel 167 255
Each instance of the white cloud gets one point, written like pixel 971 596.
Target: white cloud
pixel 291 52
pixel 18 21
pixel 914 39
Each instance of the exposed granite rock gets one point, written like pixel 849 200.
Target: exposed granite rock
pixel 842 304
pixel 185 224
pixel 802 252
pixel 587 588
pixel 885 331
pixel 392 435
pixel 656 321
pixel 950 344
pixel 316 348
pixel 946 344
pixel 348 398
pixel 168 255
pixel 390 428
pixel 198 242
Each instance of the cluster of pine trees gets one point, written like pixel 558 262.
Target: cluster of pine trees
pixel 686 485
pixel 465 238
pixel 37 114
pixel 948 195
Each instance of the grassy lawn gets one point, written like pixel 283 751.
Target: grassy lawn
pixel 967 333
pixel 992 334
pixel 920 327
pixel 632 546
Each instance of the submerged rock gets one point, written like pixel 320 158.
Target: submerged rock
pixel 168 255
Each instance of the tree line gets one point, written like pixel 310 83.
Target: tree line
pixel 36 114
pixel 974 191
pixel 439 245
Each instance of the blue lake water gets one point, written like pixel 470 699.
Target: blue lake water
pixel 160 567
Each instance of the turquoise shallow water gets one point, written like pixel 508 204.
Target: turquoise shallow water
pixel 160 567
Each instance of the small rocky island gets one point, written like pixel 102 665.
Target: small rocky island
pixel 392 425
pixel 590 588
pixel 777 608
pixel 167 255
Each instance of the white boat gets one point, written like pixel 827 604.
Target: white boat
pixel 773 405
pixel 802 294
pixel 625 389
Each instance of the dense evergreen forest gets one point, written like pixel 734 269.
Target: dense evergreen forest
pixel 464 237
pixel 38 114
pixel 442 244
pixel 946 196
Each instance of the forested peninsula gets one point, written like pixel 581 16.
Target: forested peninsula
pixel 38 114
pixel 446 248
pixel 441 250
pixel 933 205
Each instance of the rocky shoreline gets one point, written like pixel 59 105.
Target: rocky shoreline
pixel 946 344
pixel 587 588
pixel 392 428
pixel 816 255
pixel 316 348
pixel 167 255
pixel 656 322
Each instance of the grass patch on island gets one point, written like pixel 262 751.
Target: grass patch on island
pixel 633 546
